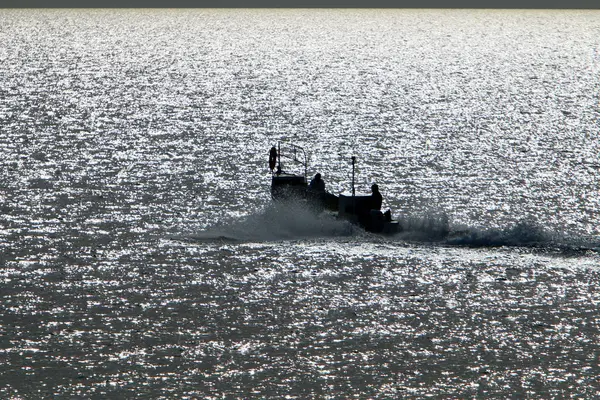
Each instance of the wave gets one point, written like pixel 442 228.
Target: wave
pixel 525 233
pixel 435 227
pixel 291 221
pixel 278 222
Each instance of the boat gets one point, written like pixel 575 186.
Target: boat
pixel 292 186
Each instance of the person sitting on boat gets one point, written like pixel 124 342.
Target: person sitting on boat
pixel 317 184
pixel 376 198
pixel 316 193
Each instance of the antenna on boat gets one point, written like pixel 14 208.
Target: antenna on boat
pixel 353 163
pixel 279 156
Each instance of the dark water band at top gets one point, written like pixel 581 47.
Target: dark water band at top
pixel 488 4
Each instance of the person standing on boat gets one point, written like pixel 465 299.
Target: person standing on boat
pixel 376 198
pixel 317 184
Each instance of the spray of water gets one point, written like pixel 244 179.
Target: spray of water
pixel 292 221
pixel 525 233
pixel 279 221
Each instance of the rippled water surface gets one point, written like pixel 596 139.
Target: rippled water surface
pixel 140 254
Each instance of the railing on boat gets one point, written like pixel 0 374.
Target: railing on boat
pixel 292 152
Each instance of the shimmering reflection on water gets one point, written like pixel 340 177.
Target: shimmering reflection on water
pixel 140 255
pixel 386 318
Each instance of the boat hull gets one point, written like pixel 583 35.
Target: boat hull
pixel 356 209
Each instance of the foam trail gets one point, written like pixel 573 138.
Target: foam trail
pixel 522 234
pixel 435 227
pixel 289 221
pixel 278 222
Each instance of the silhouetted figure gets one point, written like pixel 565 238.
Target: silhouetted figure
pixel 376 198
pixel 369 211
pixel 317 184
pixel 387 215
pixel 272 158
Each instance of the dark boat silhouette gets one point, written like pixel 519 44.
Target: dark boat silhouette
pixel 293 187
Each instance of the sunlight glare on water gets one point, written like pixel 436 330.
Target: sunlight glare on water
pixel 141 254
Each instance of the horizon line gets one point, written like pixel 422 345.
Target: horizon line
pixel 310 4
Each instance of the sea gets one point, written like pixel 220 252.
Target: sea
pixel 142 256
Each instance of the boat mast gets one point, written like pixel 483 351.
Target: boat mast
pixel 279 156
pixel 353 163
